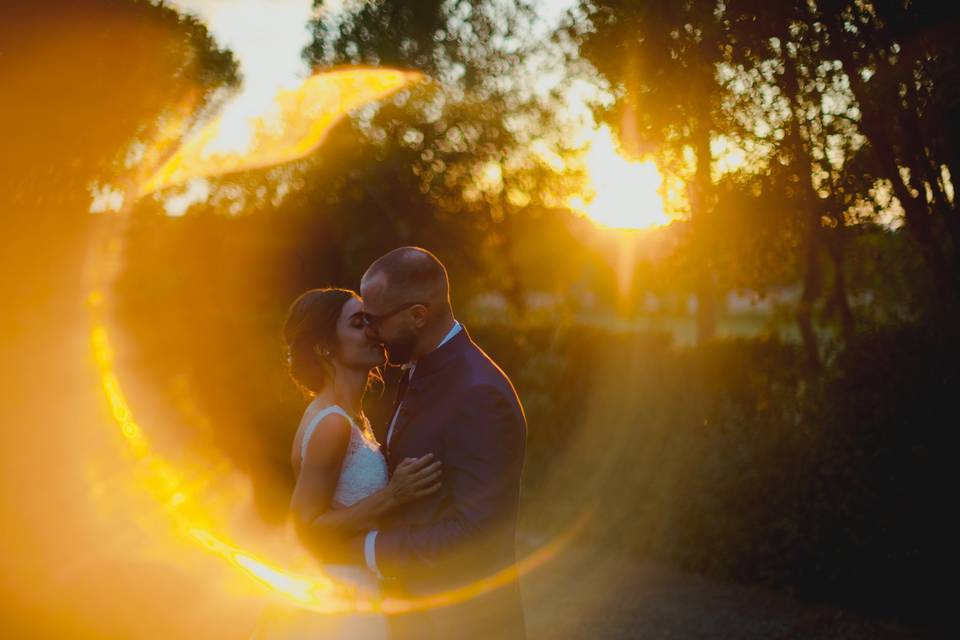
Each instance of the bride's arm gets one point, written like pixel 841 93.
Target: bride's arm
pixel 312 499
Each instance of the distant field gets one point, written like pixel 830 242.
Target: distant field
pixel 682 329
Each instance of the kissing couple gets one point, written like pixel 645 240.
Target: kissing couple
pixel 426 515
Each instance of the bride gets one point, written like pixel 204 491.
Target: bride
pixel 342 486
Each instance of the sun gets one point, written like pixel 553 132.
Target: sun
pixel 620 193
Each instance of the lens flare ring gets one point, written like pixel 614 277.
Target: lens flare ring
pixel 192 497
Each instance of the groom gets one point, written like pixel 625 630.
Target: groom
pixel 453 401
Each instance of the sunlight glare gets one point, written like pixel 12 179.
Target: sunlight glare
pixel 622 193
pixel 287 128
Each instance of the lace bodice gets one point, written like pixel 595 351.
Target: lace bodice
pixel 364 469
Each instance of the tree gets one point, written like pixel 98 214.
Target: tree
pixel 89 80
pixel 662 59
pixel 796 104
pixel 900 58
pixel 835 102
pixel 849 116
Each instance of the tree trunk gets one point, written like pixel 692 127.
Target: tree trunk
pixel 839 302
pixel 808 298
pixel 802 163
pixel 706 293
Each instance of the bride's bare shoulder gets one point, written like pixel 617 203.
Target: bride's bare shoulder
pixel 321 441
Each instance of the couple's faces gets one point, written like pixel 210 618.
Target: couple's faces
pixel 356 348
pixel 396 331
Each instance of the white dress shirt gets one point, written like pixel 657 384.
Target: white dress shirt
pixel 370 541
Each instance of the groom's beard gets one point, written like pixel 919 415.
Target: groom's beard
pixel 400 350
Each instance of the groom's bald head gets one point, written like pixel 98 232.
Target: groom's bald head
pixel 408 274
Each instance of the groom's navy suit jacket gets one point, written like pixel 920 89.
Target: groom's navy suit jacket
pixel 462 408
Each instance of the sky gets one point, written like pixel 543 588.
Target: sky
pixel 266 36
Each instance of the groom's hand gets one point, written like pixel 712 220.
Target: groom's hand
pixel 415 478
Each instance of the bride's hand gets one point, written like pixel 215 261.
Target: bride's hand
pixel 415 478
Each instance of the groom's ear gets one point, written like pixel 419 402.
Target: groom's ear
pixel 420 315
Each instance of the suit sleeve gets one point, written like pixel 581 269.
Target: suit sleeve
pixel 483 458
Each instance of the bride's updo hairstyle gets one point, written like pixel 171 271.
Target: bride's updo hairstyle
pixel 310 335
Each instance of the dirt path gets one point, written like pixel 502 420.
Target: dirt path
pixel 594 595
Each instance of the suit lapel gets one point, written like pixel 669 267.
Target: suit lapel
pixel 426 368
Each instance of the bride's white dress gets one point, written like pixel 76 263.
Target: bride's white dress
pixel 364 472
